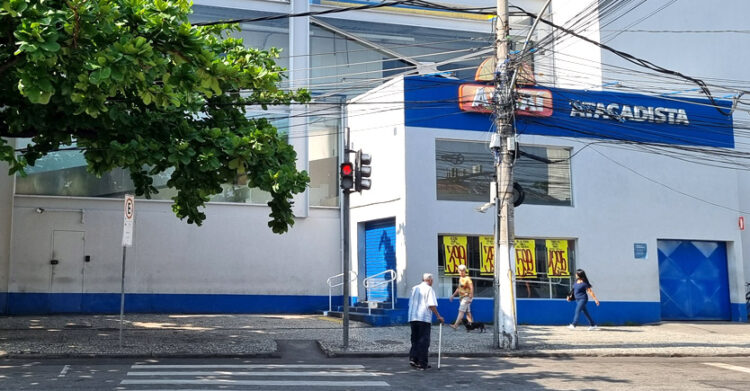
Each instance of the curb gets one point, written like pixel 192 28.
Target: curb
pixel 53 356
pixel 529 354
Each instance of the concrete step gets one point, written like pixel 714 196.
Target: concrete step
pixel 378 317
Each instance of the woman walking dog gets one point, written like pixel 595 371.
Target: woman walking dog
pixel 465 292
pixel 581 291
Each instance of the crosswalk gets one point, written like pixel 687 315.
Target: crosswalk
pixel 728 366
pixel 248 377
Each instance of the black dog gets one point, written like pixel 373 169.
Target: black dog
pixel 473 326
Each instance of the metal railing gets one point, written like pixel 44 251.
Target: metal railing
pixel 331 284
pixel 371 283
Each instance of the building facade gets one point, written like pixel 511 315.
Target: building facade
pixel 606 201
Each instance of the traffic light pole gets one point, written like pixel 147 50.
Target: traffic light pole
pixel 505 334
pixel 345 216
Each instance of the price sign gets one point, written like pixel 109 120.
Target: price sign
pixel 557 258
pixel 525 258
pixel 487 248
pixel 455 253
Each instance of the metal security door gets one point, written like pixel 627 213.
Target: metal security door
pixel 67 265
pixel 693 280
pixel 380 255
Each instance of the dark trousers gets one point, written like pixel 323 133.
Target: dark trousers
pixel 581 306
pixel 420 342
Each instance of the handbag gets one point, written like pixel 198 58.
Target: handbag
pixel 571 296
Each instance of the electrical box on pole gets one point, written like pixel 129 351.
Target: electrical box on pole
pixel 363 170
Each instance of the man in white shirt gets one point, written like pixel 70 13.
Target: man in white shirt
pixel 422 304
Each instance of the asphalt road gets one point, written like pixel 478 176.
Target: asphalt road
pixel 393 373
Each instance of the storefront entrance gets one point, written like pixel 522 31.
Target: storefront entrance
pixel 380 255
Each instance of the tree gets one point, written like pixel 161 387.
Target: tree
pixel 134 85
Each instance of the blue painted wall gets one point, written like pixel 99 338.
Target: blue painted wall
pixel 91 303
pixel 530 311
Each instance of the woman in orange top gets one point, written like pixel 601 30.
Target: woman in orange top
pixel 465 291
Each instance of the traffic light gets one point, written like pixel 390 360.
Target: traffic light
pixel 346 172
pixel 362 171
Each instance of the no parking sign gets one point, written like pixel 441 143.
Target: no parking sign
pixel 127 226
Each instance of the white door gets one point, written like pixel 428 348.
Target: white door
pixel 66 282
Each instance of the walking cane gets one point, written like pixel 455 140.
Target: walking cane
pixel 440 342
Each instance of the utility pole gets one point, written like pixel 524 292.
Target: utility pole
pixel 505 334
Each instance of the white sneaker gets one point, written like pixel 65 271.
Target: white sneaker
pixel 592 328
pixel 570 326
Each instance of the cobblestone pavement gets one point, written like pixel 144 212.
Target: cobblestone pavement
pixel 256 335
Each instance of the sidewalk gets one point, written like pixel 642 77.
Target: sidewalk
pixel 230 335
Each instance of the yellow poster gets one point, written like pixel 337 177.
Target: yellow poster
pixel 487 248
pixel 455 253
pixel 557 258
pixel 525 258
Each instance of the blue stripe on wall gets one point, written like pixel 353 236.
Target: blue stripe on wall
pixel 556 312
pixel 530 311
pixel 55 303
pixel 739 312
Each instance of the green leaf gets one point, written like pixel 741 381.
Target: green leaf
pixel 50 46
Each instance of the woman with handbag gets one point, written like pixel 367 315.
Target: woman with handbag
pixel 581 291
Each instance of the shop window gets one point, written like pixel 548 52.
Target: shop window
pixel 63 173
pixel 465 170
pixel 544 267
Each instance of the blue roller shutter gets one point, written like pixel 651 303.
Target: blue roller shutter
pixel 380 255
pixel 693 280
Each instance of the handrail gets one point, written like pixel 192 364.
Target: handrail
pixel 370 283
pixel 329 281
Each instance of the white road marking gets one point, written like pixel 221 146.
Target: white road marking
pixel 259 373
pixel 276 383
pixel 248 366
pixel 728 366
pixel 64 371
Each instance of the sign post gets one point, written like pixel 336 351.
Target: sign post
pixel 127 241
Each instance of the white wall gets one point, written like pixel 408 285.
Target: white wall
pixel 719 58
pixel 572 55
pixel 613 209
pixel 6 220
pixel 378 129
pixel 234 252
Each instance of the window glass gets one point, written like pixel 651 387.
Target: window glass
pixel 323 147
pixel 551 280
pixel 63 173
pixel 261 35
pixel 365 53
pixel 466 169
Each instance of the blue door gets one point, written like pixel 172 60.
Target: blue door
pixel 693 280
pixel 380 255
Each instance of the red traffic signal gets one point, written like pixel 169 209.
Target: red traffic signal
pixel 346 173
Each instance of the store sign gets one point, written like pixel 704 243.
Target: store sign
pixel 557 258
pixel 525 258
pixel 628 113
pixel 455 253
pixel 559 112
pixel 531 102
pixel 487 244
